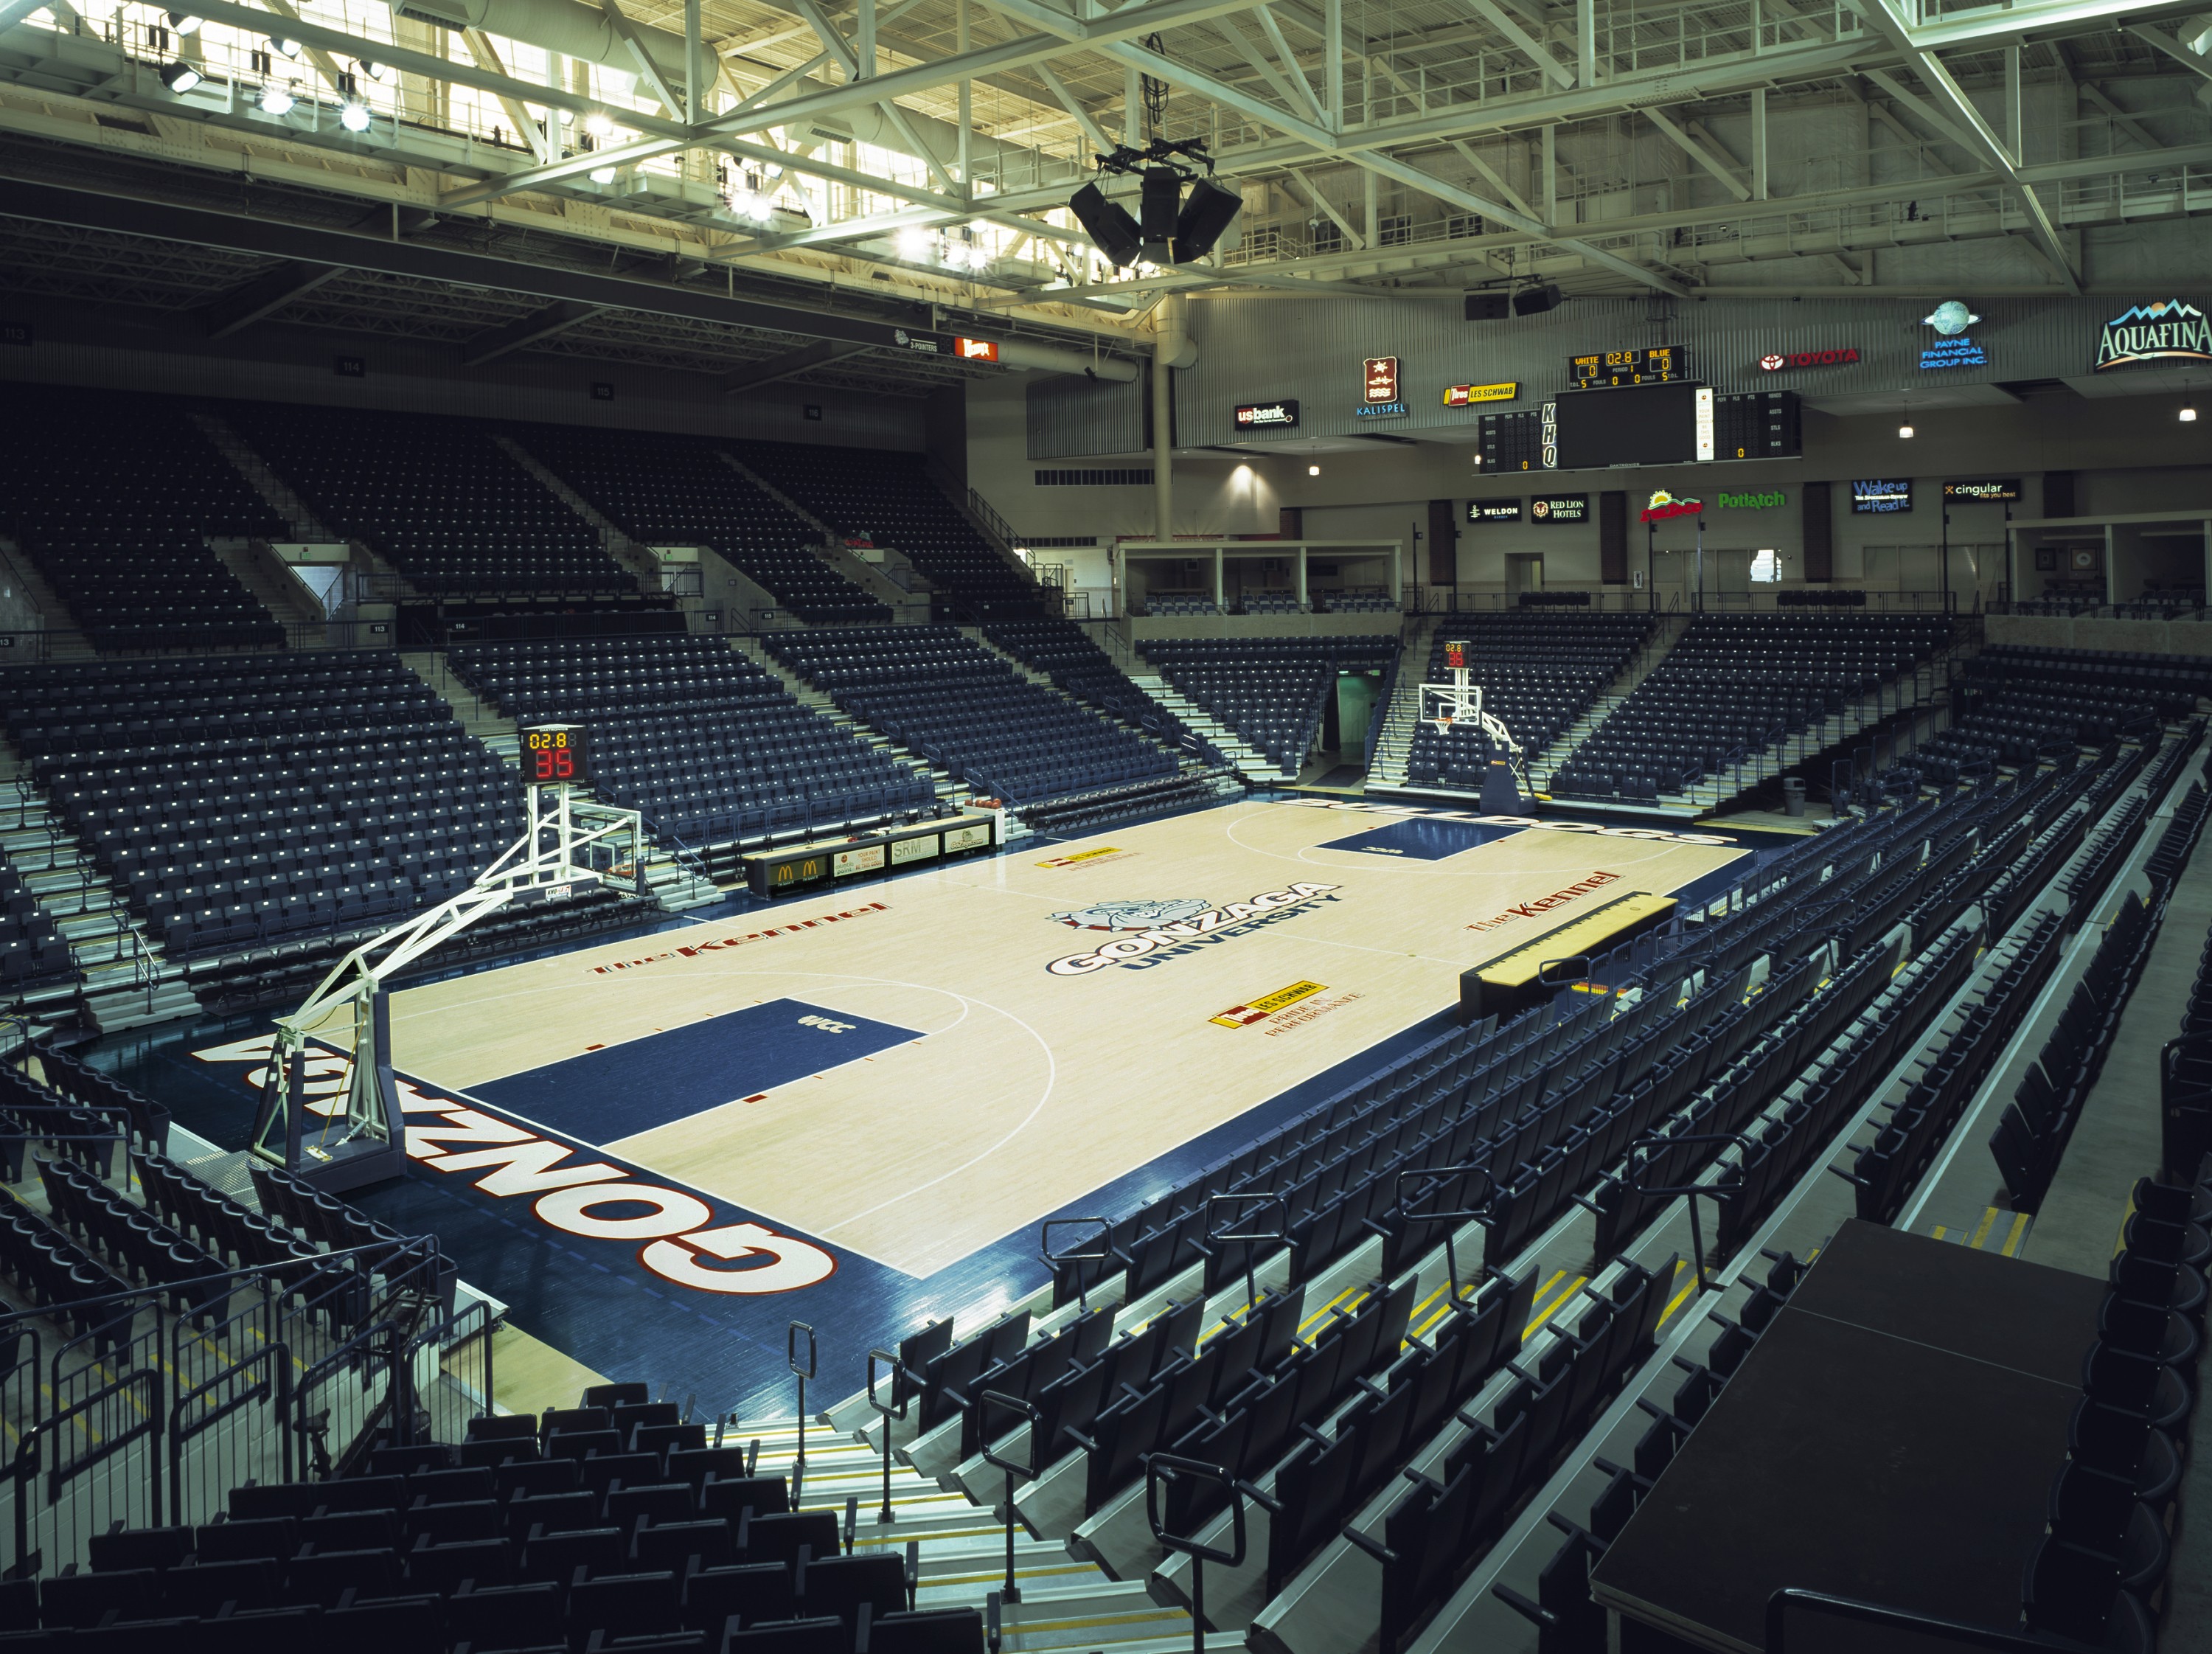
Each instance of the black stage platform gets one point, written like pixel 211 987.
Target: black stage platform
pixel 1890 1437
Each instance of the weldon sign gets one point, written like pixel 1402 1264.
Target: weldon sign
pixel 2165 331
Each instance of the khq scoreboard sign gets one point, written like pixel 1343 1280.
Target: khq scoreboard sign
pixel 2165 331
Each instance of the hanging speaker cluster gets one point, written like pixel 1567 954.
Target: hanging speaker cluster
pixel 1173 226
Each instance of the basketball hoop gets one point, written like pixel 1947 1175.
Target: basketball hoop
pixel 1460 701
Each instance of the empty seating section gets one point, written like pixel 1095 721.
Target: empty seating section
pixel 32 949
pixel 888 499
pixel 611 1524
pixel 2021 699
pixel 1180 607
pixel 1272 603
pixel 665 489
pixel 1268 689
pixel 1356 603
pixel 1065 652
pixel 233 802
pixel 1733 686
pixel 701 741
pixel 1537 672
pixel 957 704
pixel 444 503
pixel 114 498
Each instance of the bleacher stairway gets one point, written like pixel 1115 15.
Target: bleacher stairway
pixel 909 603
pixel 266 483
pixel 948 790
pixel 64 639
pixel 961 1551
pixel 1927 688
pixel 674 876
pixel 1188 763
pixel 126 980
pixel 1250 762
pixel 1395 745
pixel 637 561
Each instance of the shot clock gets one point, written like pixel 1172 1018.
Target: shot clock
pixel 553 755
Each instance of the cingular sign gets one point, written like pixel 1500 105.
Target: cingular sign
pixel 1764 502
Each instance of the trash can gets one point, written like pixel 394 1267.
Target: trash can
pixel 1793 795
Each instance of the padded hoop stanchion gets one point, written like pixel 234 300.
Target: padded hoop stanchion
pixel 1051 1258
pixel 1161 1468
pixel 1026 1470
pixel 802 1373
pixel 887 1410
pixel 1250 1239
pixel 1689 1191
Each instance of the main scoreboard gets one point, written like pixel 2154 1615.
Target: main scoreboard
pixel 1659 423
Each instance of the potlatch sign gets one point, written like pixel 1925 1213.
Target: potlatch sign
pixel 1762 502
pixel 2169 330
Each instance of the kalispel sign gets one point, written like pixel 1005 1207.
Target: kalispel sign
pixel 1380 380
pixel 1766 500
pixel 2165 331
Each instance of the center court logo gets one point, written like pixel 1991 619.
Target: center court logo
pixel 1159 929
pixel 1133 916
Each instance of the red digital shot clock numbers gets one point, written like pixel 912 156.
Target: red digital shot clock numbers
pixel 553 755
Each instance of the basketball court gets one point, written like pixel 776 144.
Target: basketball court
pixel 856 1106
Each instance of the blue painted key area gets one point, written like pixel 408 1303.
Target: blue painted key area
pixel 604 1096
pixel 1421 838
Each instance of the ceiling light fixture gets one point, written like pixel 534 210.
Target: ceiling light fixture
pixel 1904 431
pixel 186 23
pixel 276 100
pixel 376 71
pixel 288 47
pixel 2188 416
pixel 1313 470
pixel 353 117
pixel 603 174
pixel 597 125
pixel 181 77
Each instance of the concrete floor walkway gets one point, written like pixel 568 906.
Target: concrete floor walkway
pixel 2079 1226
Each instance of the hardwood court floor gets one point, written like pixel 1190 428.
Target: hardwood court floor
pixel 1001 1090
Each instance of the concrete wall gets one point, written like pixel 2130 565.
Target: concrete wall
pixel 2154 637
pixel 2130 454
